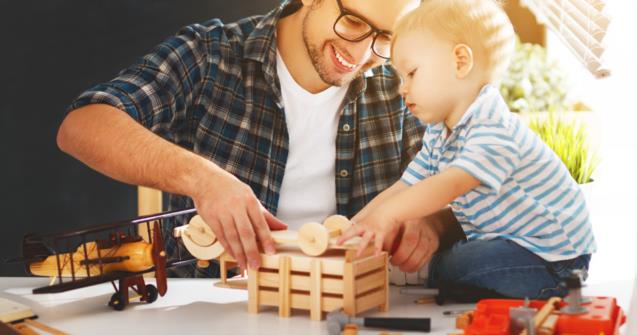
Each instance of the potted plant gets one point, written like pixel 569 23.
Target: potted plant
pixel 569 139
pixel 533 83
pixel 536 87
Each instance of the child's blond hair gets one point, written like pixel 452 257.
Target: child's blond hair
pixel 481 24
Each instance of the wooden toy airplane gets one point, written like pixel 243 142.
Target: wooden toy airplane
pixel 105 253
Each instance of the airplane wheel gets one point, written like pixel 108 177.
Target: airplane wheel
pixel 118 302
pixel 151 293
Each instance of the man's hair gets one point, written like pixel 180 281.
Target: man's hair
pixel 481 24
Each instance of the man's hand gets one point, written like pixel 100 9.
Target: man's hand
pixel 417 243
pixel 237 218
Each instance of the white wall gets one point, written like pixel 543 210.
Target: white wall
pixel 614 100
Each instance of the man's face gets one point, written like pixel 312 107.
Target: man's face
pixel 336 60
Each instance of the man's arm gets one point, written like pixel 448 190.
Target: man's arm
pixel 111 142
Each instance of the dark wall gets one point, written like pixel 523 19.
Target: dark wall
pixel 50 51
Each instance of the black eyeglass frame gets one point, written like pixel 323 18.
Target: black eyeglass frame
pixel 373 30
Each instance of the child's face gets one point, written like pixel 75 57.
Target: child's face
pixel 426 65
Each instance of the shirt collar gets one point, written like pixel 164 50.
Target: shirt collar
pixel 260 45
pixel 486 91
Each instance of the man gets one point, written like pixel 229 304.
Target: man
pixel 278 114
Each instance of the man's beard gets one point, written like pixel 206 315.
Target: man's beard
pixel 320 63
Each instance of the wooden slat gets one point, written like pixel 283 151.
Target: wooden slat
pixel 349 306
pixel 368 264
pixel 385 306
pixel 370 301
pixel 253 291
pixel 369 282
pixel 330 266
pixel 315 291
pixel 284 288
pixel 299 301
pixel 350 254
pixel 301 283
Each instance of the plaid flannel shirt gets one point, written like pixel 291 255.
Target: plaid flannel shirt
pixel 213 89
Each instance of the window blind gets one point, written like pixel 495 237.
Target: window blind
pixel 580 24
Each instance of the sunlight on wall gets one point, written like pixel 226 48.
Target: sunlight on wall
pixel 614 101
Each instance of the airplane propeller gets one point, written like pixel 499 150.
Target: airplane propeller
pixel 159 259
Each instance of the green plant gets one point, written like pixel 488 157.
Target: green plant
pixel 568 139
pixel 532 83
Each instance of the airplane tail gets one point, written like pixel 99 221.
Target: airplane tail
pixel 33 250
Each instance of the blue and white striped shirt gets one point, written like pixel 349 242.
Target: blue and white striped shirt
pixel 526 194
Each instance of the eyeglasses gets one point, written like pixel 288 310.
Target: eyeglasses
pixel 354 28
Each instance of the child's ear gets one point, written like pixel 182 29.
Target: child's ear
pixel 463 56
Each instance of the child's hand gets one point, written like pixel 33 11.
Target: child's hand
pixel 378 226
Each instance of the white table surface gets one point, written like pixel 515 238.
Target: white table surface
pixel 196 306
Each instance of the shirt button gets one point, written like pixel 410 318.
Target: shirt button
pixel 346 127
pixel 344 173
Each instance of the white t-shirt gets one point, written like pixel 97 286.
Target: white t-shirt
pixel 308 192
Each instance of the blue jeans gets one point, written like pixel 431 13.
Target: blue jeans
pixel 504 267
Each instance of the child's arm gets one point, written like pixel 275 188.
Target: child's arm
pixel 382 223
pixel 389 192
pixel 430 195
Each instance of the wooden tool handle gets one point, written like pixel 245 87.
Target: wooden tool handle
pixel 547 309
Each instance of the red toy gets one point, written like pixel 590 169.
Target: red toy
pixel 574 315
pixel 602 316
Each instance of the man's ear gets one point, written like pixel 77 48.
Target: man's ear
pixel 463 57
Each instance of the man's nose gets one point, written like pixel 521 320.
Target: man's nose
pixel 403 89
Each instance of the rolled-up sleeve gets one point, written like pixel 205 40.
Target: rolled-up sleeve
pixel 490 154
pixel 159 89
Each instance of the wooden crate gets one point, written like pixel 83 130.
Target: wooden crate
pixel 291 280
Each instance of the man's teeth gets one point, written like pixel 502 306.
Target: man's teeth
pixel 343 61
